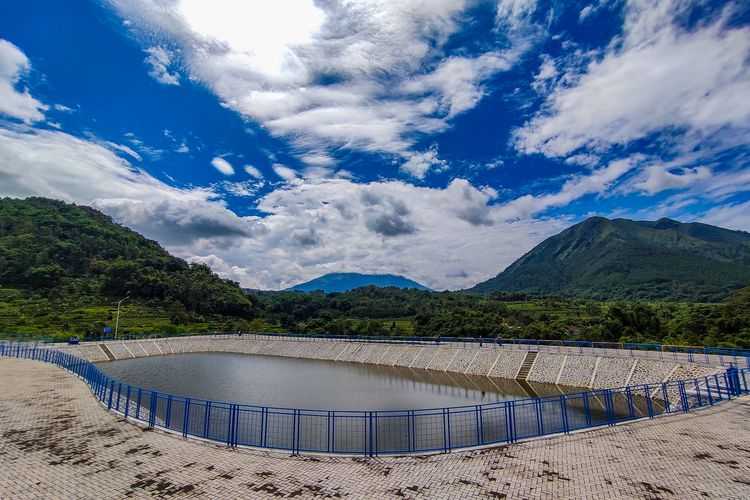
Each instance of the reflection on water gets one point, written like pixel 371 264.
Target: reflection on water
pixel 288 384
pixel 316 384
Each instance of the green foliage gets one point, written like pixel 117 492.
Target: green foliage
pixel 622 259
pixel 58 255
pixel 390 311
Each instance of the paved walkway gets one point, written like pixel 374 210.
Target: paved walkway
pixel 56 441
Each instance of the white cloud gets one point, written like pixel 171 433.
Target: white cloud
pixel 284 172
pixel 657 77
pixel 596 182
pixel 253 172
pixel 124 149
pixel 160 60
pixel 585 13
pixel 731 216
pixel 439 236
pixel 388 80
pixel 223 166
pixel 657 178
pixel 418 164
pixel 62 108
pixel 14 103
pixel 58 165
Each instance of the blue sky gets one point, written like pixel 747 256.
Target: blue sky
pixel 441 139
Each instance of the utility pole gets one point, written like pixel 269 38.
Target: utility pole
pixel 117 319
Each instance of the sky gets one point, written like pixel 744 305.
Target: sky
pixel 436 139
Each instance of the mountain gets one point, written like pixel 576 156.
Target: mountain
pixel 59 253
pixel 343 282
pixel 624 259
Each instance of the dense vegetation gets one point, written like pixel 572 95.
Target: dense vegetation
pixel 59 260
pixel 632 260
pixel 64 267
pixel 377 311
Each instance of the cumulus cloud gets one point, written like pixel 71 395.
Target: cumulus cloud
pixel 284 172
pixel 418 164
pixel 160 60
pixel 362 75
pixel 439 236
pixel 223 166
pixel 659 76
pixel 13 102
pixel 58 165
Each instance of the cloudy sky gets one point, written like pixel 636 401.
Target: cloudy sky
pixel 439 139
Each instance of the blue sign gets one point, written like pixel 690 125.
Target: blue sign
pixel 107 329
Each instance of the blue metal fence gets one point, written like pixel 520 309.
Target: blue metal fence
pixel 375 433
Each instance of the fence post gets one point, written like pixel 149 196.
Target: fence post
pixel 445 432
pixel 328 429
pixel 206 418
pixel 295 434
pixel 587 408
pixel 509 424
pixel 649 401
pixel 698 392
pixel 564 413
pixel 683 396
pixel 413 424
pixel 478 415
pixel 168 416
pixel 127 402
pixel 186 418
pixel 119 394
pixel 230 421
pixel 665 395
pixel 608 403
pixel 152 409
pixel 370 435
pixel 138 404
pixel 539 418
pixel 111 390
pixel 264 426
pixel 631 407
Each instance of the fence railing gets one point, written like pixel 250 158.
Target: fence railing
pixel 375 433
pixel 694 354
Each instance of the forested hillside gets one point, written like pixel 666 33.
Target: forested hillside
pixel 59 256
pixel 624 259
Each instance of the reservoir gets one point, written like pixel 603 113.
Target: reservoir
pixel 339 407
pixel 315 384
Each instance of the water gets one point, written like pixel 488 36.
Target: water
pixel 314 384
pixel 335 407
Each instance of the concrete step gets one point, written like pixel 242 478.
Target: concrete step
pixel 528 362
pixel 107 352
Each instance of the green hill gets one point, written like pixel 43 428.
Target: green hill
pixel 624 259
pixel 62 266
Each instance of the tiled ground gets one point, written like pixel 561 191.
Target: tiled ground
pixel 57 442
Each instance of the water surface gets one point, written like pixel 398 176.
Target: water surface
pixel 314 384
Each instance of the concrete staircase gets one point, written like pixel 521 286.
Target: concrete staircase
pixel 106 351
pixel 528 362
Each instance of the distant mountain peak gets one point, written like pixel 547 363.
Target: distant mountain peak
pixel 343 282
pixel 626 259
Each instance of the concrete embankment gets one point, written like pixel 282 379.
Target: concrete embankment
pixel 596 369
